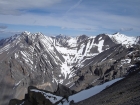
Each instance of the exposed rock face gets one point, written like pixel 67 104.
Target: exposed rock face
pixel 63 91
pixel 78 63
pixel 123 92
pixel 138 40
pixel 28 60
pixel 82 38
pixel 41 97
pixel 107 41
pixel 32 98
pixel 62 40
pixel 119 62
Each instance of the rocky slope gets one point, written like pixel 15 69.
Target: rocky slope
pixel 41 97
pixel 110 64
pixel 78 63
pixel 124 92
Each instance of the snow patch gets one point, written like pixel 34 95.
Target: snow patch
pixel 51 97
pixel 100 38
pixel 100 45
pixel 123 39
pixel 89 92
pixel 65 70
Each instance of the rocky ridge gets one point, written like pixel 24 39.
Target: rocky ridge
pixel 124 92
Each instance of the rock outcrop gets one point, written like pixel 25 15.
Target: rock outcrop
pixel 37 96
pixel 124 92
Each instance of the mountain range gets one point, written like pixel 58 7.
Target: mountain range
pixel 59 63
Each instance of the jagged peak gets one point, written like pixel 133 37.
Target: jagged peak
pixel 62 36
pixel 81 38
pixel 26 32
pixel 116 33
pixel 29 33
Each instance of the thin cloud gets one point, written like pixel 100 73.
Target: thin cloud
pixel 17 7
pixel 33 19
pixel 73 7
pixel 126 29
pixel 75 20
pixel 3 27
pixel 1 31
pixel 83 15
pixel 9 32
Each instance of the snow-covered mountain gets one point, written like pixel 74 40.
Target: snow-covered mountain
pixel 76 62
pixel 123 39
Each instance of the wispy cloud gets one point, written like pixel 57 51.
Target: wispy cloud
pixel 84 15
pixel 8 33
pixel 3 27
pixel 126 29
pixel 17 7
pixel 75 20
pixel 74 6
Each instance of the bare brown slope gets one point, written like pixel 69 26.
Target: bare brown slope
pixel 124 92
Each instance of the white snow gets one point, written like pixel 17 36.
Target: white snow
pixel 123 39
pixel 23 53
pixel 94 80
pixel 100 45
pixel 51 97
pixel 125 61
pixel 100 38
pixel 26 32
pixel 89 92
pixel 87 47
pixel 71 85
pixel 16 55
pixel 81 49
pixel 5 48
pixel 72 42
pixel 106 58
pixel 17 83
pixel 65 69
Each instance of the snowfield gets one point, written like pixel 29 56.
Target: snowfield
pixel 89 92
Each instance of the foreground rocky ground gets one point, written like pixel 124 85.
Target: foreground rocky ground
pixel 124 92
pixel 37 96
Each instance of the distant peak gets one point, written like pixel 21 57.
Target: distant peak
pixel 81 38
pixel 62 36
pixel 83 35
pixel 116 33
pixel 30 34
pixel 26 32
pixel 39 33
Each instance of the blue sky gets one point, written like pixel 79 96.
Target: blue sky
pixel 70 17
